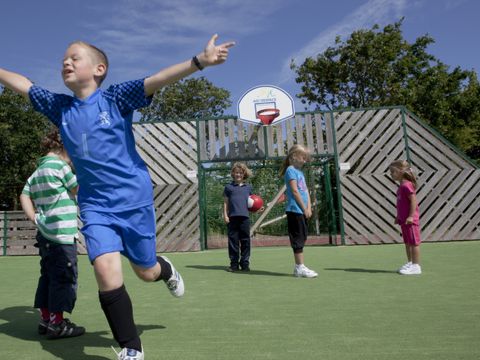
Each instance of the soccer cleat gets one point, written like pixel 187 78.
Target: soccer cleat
pixel 232 269
pixel 129 354
pixel 413 269
pixel 303 271
pixel 405 266
pixel 175 283
pixel 64 329
pixel 42 327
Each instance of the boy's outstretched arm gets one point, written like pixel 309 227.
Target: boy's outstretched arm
pixel 15 82
pixel 212 55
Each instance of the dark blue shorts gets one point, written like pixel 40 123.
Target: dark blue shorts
pixel 132 233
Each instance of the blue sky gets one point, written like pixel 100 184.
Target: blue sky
pixel 144 36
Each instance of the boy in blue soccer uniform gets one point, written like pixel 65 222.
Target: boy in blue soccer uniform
pixel 115 191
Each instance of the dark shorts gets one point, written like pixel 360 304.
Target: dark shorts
pixel 297 231
pixel 57 285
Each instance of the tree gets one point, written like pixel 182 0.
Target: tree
pixel 192 98
pixel 21 130
pixel 380 68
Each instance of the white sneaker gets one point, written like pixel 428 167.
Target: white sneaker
pixel 129 354
pixel 405 266
pixel 413 269
pixel 303 271
pixel 175 283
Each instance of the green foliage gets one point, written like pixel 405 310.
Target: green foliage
pixel 266 183
pixel 21 130
pixel 380 68
pixel 192 98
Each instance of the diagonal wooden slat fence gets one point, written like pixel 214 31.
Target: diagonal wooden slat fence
pixel 449 186
pixel 368 140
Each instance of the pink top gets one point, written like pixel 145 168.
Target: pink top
pixel 405 189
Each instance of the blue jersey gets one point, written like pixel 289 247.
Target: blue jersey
pixel 97 133
pixel 237 196
pixel 295 174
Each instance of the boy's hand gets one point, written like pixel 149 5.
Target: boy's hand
pixel 227 219
pixel 215 54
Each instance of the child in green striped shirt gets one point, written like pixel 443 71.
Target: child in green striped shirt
pixel 48 200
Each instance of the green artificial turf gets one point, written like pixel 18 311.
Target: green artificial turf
pixel 358 308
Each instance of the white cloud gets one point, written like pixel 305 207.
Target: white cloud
pixel 372 12
pixel 134 30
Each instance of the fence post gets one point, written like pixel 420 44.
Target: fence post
pixel 5 232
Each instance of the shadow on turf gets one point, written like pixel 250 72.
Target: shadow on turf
pixel 251 272
pixel 22 324
pixel 372 271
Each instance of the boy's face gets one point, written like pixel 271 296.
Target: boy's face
pixel 79 68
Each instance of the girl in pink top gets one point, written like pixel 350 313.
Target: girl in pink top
pixel 407 215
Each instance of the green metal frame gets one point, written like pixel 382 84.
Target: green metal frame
pixel 337 176
pixel 317 160
pixel 5 232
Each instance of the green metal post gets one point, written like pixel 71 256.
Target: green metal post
pixel 5 232
pixel 201 192
pixel 332 228
pixel 337 177
pixel 405 136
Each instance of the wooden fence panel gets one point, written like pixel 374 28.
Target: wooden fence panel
pixel 448 192
pixel 369 140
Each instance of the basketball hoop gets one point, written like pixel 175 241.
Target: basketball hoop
pixel 267 116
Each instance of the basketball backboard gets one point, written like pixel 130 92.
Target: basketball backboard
pixel 265 105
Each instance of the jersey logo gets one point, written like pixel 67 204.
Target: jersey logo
pixel 104 119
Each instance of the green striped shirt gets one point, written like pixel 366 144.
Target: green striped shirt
pixel 50 187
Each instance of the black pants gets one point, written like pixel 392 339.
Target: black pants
pixel 297 231
pixel 239 241
pixel 57 285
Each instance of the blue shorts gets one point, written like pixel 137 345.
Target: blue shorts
pixel 132 233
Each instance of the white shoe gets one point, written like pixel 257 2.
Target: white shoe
pixel 303 271
pixel 413 269
pixel 129 354
pixel 405 266
pixel 175 283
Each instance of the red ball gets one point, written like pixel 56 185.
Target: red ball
pixel 255 203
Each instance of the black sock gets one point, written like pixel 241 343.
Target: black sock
pixel 117 306
pixel 166 272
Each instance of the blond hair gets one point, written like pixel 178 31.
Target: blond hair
pixel 406 171
pixel 295 150
pixel 245 170
pixel 97 54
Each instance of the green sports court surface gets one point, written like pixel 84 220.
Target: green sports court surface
pixel 358 308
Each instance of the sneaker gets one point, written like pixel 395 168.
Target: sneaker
pixel 413 269
pixel 303 271
pixel 42 326
pixel 129 354
pixel 64 329
pixel 232 269
pixel 175 283
pixel 245 268
pixel 405 266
